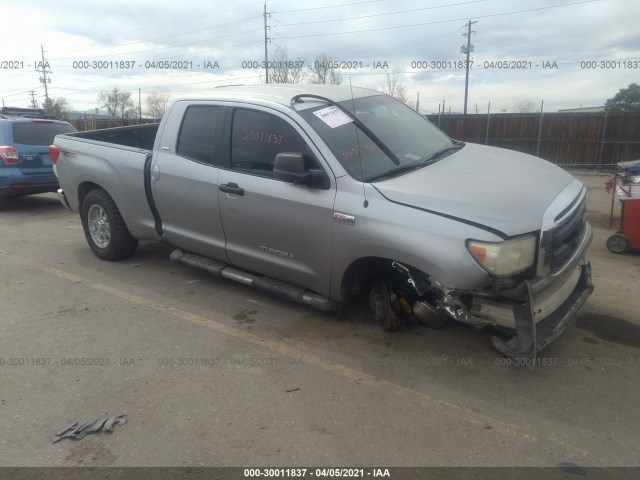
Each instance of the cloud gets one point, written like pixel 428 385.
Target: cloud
pixel 365 32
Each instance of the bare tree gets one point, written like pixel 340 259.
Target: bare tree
pixel 58 107
pixel 395 87
pixel 110 100
pixel 126 103
pixel 115 101
pixel 283 70
pixel 157 102
pixel 525 106
pixel 131 113
pixel 323 71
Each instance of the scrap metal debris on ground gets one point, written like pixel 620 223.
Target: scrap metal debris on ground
pixel 80 430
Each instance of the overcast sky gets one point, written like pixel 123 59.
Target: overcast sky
pixel 117 43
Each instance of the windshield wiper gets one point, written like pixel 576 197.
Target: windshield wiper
pixel 434 157
pixel 423 162
pixel 395 170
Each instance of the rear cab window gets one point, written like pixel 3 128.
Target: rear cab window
pixel 197 137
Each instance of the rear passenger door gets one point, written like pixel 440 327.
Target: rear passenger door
pixel 274 227
pixel 185 179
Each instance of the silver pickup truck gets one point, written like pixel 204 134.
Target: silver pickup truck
pixel 319 193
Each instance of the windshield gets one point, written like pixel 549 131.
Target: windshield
pixel 407 138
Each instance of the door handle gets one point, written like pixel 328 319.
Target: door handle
pixel 231 187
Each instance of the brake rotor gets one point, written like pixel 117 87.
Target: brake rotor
pixel 380 303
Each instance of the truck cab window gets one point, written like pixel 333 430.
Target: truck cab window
pixel 258 137
pixel 197 134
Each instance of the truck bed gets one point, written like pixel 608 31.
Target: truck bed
pixel 117 160
pixel 138 136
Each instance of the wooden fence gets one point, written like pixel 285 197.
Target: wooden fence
pixel 586 140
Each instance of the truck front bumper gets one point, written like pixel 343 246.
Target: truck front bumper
pixel 533 335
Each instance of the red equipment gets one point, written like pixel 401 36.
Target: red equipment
pixel 628 237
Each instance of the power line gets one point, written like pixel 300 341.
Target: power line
pixel 20 93
pixel 187 19
pixel 168 36
pixel 441 21
pixel 182 55
pixel 382 14
pixel 329 6
pixel 168 47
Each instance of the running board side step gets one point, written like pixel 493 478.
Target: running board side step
pixel 265 284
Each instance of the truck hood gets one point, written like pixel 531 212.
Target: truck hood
pixel 502 191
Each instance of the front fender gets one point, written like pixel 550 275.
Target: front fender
pixel 432 244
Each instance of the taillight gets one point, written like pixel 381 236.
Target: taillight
pixel 54 153
pixel 9 155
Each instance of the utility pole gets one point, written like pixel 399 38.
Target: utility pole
pixel 139 108
pixel 266 54
pixel 33 99
pixel 418 103
pixel 467 50
pixel 540 128
pixel 44 70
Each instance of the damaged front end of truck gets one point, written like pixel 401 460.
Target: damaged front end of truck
pixel 533 306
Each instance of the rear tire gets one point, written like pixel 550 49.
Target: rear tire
pixel 104 228
pixel 617 243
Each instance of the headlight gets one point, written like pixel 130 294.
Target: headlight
pixel 504 258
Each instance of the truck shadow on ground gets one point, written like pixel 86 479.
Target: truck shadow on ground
pixel 33 204
pixel 610 328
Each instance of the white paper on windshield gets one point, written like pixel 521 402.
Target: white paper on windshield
pixel 333 116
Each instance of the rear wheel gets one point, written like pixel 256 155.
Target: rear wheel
pixel 104 228
pixel 617 243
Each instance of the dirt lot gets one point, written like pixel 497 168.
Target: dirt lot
pixel 212 373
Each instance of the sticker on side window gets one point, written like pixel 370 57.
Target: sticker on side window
pixel 333 116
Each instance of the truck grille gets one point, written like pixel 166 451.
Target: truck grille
pixel 565 237
pixel 563 230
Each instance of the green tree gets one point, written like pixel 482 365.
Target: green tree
pixel 627 100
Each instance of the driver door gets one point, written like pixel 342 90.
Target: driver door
pixel 274 227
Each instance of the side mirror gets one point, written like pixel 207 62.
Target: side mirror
pixel 290 167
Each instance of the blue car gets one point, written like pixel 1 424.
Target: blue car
pixel 25 165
